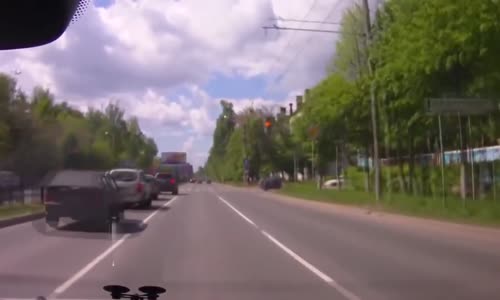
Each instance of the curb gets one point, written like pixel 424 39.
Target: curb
pixel 21 219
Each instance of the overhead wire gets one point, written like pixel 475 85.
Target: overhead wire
pixel 324 21
pixel 289 41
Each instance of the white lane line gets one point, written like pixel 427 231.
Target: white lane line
pixel 238 212
pixel 63 287
pixel 346 293
pixel 68 283
pixel 145 221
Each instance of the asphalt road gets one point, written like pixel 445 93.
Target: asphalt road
pixel 218 242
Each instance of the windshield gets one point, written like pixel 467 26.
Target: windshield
pixel 124 175
pixel 250 149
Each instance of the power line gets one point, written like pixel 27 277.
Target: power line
pixel 288 68
pixel 311 30
pixel 305 21
pixel 289 42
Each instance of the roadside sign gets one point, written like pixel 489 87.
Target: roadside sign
pixel 462 106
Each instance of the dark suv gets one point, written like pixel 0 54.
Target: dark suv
pixel 168 183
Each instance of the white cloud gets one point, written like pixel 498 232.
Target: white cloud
pixel 155 107
pixel 187 146
pixel 201 122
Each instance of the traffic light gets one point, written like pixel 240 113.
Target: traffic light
pixel 268 124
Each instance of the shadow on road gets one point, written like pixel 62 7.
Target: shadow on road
pixel 153 207
pixel 123 227
pixel 89 230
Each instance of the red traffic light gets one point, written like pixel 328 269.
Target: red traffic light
pixel 268 124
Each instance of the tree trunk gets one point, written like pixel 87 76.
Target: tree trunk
pixel 367 169
pixel 411 167
pixel 401 177
pixel 464 178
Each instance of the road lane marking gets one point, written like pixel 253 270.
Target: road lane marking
pixel 238 212
pixel 346 293
pixel 343 291
pixel 68 283
pixel 145 221
pixel 63 287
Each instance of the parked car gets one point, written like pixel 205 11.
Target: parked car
pixel 155 185
pixel 272 182
pixel 86 196
pixel 168 183
pixel 333 183
pixel 133 186
pixel 209 181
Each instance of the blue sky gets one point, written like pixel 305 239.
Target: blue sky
pixel 103 3
pixel 222 86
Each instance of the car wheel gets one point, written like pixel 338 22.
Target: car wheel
pixel 147 204
pixel 176 192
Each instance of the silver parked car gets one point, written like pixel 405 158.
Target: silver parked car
pixel 134 189
pixel 155 186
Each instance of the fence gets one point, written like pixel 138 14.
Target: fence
pixel 12 191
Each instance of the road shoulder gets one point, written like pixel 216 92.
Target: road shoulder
pixel 20 214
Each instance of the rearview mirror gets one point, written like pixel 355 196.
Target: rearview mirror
pixel 31 23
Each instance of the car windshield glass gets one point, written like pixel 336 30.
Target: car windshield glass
pixel 73 178
pixel 124 176
pixel 164 176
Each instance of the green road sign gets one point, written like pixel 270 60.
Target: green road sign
pixel 465 107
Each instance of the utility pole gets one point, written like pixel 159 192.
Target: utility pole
pixel 373 104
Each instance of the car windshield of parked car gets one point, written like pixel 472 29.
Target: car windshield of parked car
pixel 73 178
pixel 124 176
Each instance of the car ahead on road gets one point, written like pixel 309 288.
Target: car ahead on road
pixel 168 183
pixel 155 185
pixel 133 187
pixel 85 196
pixel 272 182
pixel 209 181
